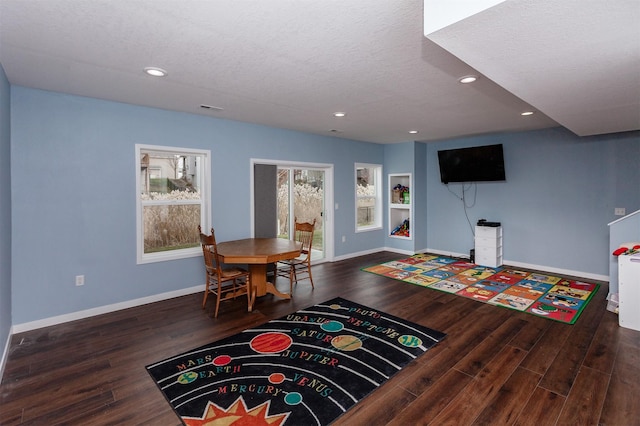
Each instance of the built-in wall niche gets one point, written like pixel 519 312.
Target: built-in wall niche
pixel 400 202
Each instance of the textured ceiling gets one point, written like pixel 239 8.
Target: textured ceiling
pixel 292 63
pixel 576 60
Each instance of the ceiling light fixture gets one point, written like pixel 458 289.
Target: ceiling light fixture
pixel 339 114
pixel 413 132
pixel 525 113
pixel 155 72
pixel 467 79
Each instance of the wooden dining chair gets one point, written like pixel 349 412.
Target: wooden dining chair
pixel 224 283
pixel 299 267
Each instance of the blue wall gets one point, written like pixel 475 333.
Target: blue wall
pixel 73 207
pixel 559 196
pixel 399 158
pixel 408 157
pixel 5 211
pixel 420 204
pixel 73 177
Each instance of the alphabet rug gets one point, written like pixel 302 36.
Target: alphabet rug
pixel 306 368
pixel 548 296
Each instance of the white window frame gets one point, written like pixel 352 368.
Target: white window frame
pixel 204 202
pixel 377 222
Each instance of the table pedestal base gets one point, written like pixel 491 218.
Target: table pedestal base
pixel 259 285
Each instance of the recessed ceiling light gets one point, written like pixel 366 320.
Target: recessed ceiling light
pixel 468 79
pixel 156 72
pixel 413 132
pixel 339 114
pixel 527 113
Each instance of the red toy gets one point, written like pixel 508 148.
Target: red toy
pixel 627 248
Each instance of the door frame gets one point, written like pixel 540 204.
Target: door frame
pixel 329 243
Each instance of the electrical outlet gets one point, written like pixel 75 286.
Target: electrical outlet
pixel 620 211
pixel 79 280
pixel 344 239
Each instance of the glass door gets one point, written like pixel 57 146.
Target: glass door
pixel 301 195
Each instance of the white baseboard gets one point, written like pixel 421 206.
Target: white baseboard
pixel 561 271
pixel 5 354
pixel 395 250
pixel 549 269
pixel 366 252
pixel 356 254
pixel 446 253
pixel 46 322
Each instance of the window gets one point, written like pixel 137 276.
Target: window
pixel 368 197
pixel 170 208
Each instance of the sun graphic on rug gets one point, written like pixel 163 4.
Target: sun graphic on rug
pixel 236 415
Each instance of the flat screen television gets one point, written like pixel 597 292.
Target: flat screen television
pixel 474 164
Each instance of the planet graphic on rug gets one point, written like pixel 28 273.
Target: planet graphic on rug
pixel 221 360
pixel 346 343
pixel 270 343
pixel 410 341
pixel 187 377
pixel 276 378
pixel 293 398
pixel 332 326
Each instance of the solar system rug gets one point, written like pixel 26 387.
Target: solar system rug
pixel 306 368
pixel 547 296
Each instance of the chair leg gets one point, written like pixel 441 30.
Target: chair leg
pixel 215 315
pixel 310 277
pixel 206 293
pixel 292 274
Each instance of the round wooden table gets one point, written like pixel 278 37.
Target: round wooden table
pixel 258 253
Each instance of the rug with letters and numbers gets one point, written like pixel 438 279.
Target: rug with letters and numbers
pixel 306 368
pixel 549 296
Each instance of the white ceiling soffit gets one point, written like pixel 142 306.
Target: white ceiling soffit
pixel 439 14
pixel 577 61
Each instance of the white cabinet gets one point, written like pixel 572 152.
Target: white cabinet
pixel 400 213
pixel 488 246
pixel 629 291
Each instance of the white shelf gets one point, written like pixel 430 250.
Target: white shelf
pixel 488 246
pixel 629 291
pixel 399 210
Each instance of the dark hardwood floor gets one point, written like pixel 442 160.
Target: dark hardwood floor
pixel 496 366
